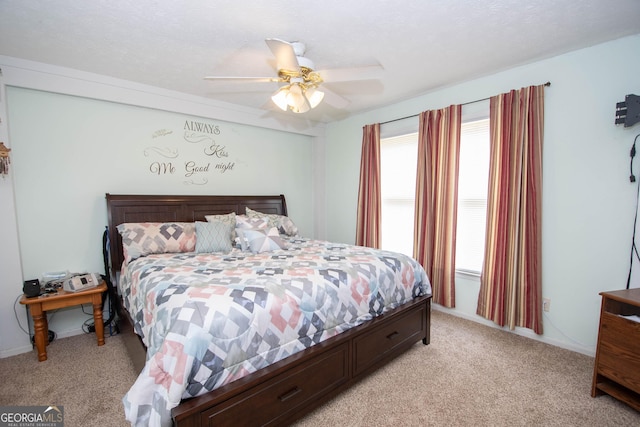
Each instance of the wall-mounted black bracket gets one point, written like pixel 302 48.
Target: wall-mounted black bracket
pixel 628 111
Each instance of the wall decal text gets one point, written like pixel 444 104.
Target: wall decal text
pixel 196 170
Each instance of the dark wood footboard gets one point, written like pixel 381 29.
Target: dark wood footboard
pixel 291 388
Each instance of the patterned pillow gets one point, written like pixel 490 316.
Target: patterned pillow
pixel 243 222
pixel 214 236
pixel 287 226
pixel 284 224
pixel 263 240
pixel 229 218
pixel 144 238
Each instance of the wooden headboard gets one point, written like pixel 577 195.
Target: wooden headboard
pixel 123 208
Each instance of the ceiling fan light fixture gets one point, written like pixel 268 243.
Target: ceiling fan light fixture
pixel 280 98
pixel 304 107
pixel 296 98
pixel 314 96
pixel 299 96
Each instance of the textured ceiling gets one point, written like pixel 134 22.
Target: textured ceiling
pixel 422 45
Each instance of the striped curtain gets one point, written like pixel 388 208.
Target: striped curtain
pixel 510 284
pixel 369 198
pixel 437 199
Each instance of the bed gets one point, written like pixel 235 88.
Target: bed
pixel 205 364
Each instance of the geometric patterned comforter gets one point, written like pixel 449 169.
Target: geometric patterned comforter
pixel 209 319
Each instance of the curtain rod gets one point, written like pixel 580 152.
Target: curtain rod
pixel 547 84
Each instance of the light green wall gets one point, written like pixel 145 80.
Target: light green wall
pixel 588 202
pixel 68 151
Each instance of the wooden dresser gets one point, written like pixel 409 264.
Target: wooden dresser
pixel 617 366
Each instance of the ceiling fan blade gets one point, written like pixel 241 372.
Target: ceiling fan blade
pixel 370 72
pixel 285 55
pixel 333 99
pixel 255 79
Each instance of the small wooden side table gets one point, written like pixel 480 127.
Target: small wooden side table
pixel 616 371
pixel 38 307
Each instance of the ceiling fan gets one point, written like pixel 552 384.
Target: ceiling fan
pixel 300 90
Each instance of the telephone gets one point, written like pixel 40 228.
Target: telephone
pixel 81 282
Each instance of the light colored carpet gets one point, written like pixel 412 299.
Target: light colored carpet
pixel 470 375
pixel 89 381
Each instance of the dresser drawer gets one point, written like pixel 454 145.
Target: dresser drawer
pixel 277 398
pixel 383 342
pixel 619 350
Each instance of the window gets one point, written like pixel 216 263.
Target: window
pixel 473 178
pixel 398 159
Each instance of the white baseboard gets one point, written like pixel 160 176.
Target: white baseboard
pixel 27 348
pixel 15 351
pixel 519 331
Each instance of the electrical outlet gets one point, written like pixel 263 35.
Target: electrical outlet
pixel 546 304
